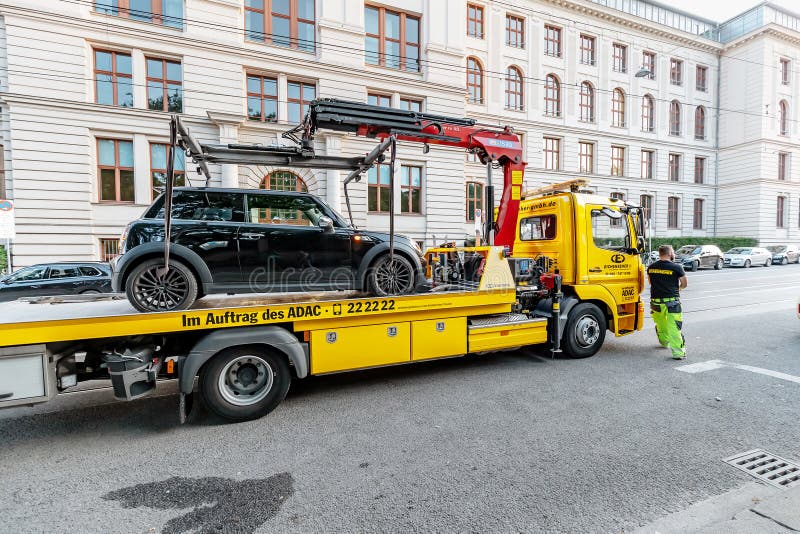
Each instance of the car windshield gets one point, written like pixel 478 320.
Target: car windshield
pixel 777 248
pixel 742 251
pixel 688 249
pixel 28 273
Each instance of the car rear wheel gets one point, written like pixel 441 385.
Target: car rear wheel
pixel 746 264
pixel 391 276
pixel 784 261
pixel 150 289
pixel 718 265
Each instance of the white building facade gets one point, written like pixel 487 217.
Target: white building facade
pixel 627 98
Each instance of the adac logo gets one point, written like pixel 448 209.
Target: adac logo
pixel 618 258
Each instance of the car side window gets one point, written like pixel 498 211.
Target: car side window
pixel 205 206
pixel 89 271
pixel 28 274
pixel 63 271
pixel 283 209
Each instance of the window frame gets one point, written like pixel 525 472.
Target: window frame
pixel 114 76
pixel 675 118
pixel 617 195
pixel 783 167
pixel 476 199
pixel 402 42
pixel 586 157
pixel 517 92
pixel 116 168
pixel 783 118
pixel 164 81
pixel 123 10
pixel 267 14
pixel 647 207
pixel 780 212
pixel 588 49
pixel 700 123
pixel 648 114
pixel 300 101
pixel 177 172
pixel 674 167
pixel 408 101
pixel 697 214
pixel 108 253
pixel 476 21
pixel 649 63
pixel 552 40
pixel 648 164
pixel 552 96
pixel 378 98
pixel 676 71
pixel 619 58
pixel 517 29
pixel 586 102
pixel 475 89
pixel 617 160
pixel 785 71
pixel 410 188
pixel 700 169
pixel 701 78
pixel 551 150
pixel 377 189
pixel 618 108
pixel 261 96
pixel 673 218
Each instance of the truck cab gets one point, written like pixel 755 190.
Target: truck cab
pixel 593 242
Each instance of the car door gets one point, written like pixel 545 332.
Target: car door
pixel 283 248
pixel 26 282
pixel 707 258
pixel 62 280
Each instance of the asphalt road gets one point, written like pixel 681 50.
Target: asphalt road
pixel 506 442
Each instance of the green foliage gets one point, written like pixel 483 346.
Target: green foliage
pixel 3 260
pixel 724 243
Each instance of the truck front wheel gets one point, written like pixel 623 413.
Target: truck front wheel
pixel 585 331
pixel 243 383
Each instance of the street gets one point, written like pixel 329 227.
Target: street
pixel 513 441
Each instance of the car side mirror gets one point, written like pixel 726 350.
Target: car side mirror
pixel 326 223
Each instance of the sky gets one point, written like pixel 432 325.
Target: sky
pixel 722 10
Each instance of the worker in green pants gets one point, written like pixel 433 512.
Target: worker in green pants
pixel 667 279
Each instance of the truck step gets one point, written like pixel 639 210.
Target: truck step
pixel 499 320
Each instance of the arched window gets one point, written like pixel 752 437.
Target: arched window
pixel 280 181
pixel 474 80
pixel 674 118
pixel 648 113
pixel 587 102
pixel 618 108
pixel 700 123
pixel 783 116
pixel 552 96
pixel 514 94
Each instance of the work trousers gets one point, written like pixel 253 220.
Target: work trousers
pixel 668 317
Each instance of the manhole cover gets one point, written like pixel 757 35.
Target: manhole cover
pixel 768 467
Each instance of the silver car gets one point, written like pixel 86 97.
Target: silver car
pixel 783 254
pixel 748 257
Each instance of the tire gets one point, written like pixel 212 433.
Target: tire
pixel 746 264
pixel 785 261
pixel 768 262
pixel 585 331
pixel 244 383
pixel 695 266
pixel 147 291
pixel 718 265
pixel 391 277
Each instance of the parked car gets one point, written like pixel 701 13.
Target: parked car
pixel 694 257
pixel 56 279
pixel 783 254
pixel 748 256
pixel 255 240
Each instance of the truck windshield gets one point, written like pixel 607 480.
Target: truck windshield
pixel 610 229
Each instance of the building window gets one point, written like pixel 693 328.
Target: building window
pixel 165 12
pixel 262 98
pixel 411 104
pixel 785 69
pixel 109 248
pixel 115 170
pixel 617 161
pixel 783 165
pixel 672 212
pixel 701 78
pixel 647 206
pixel 620 58
pixel 379 100
pixel 552 153
pixel 515 31
pixel 379 193
pixel 392 39
pixel 675 71
pixel 617 196
pixel 586 157
pixel 649 64
pixel 648 113
pixel 410 189
pixel 474 199
pixel 282 181
pixel 699 170
pixel 113 74
pixel 587 102
pixel 588 54
pixel 552 96
pixel 474 80
pixel 475 21
pixel 648 164
pixel 697 220
pixel 783 117
pixel 158 168
pixel 514 94
pixel 618 108
pixel 700 123
pixel 552 41
pixel 674 167
pixel 300 94
pixel 674 118
pixel 164 85
pixel 287 23
pixel 780 219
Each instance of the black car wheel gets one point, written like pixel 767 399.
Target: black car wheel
pixel 785 261
pixel 746 264
pixel 718 265
pixel 391 276
pixel 150 290
pixel 695 266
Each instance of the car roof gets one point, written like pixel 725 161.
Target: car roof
pixel 244 190
pixel 90 263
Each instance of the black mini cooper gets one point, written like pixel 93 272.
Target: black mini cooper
pixel 255 241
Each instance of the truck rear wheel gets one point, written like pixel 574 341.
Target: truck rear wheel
pixel 244 383
pixel 585 331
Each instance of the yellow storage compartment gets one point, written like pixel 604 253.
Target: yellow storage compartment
pixel 438 338
pixel 356 347
pixel 507 335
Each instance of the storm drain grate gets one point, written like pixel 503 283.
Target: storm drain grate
pixel 765 466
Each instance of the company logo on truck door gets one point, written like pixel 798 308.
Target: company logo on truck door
pixel 618 258
pixel 537 205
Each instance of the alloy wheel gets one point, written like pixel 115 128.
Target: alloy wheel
pixel 159 291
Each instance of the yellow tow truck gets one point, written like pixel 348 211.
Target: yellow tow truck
pixel 559 282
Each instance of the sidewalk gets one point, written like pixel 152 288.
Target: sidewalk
pixel 754 508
